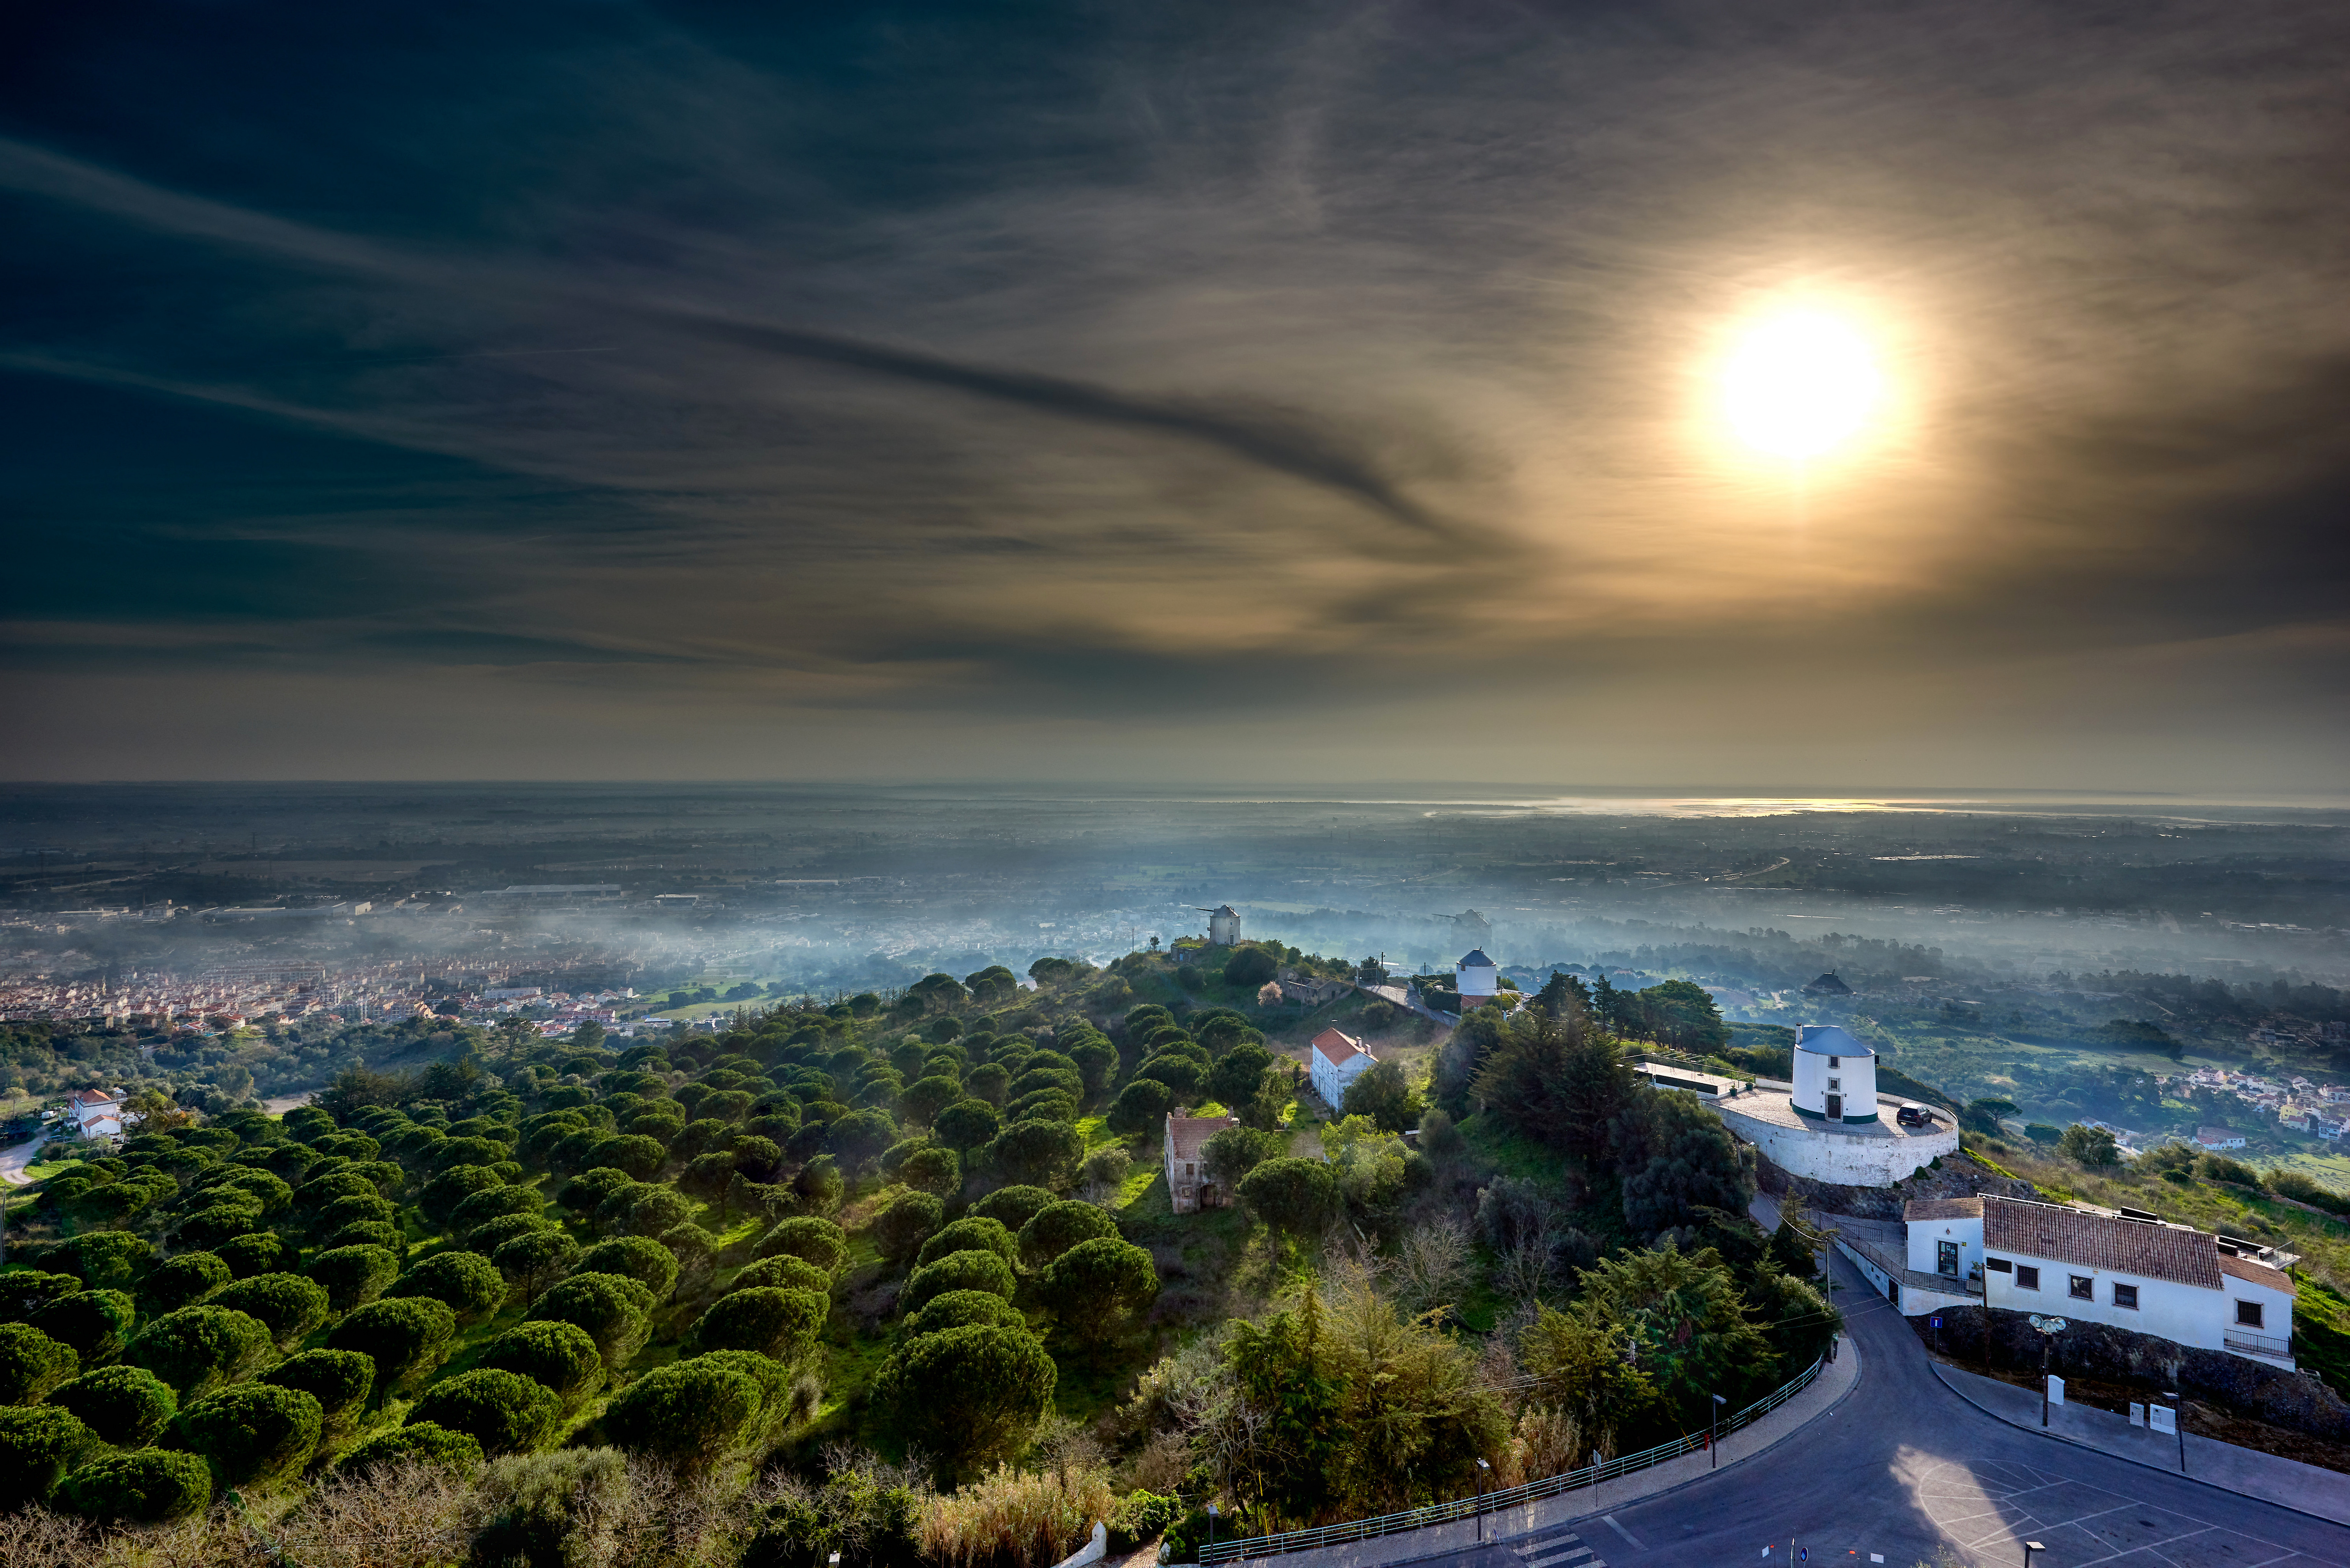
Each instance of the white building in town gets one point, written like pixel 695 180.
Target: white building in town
pixel 2144 1275
pixel 1338 1059
pixel 96 1113
pixel 2218 1137
pixel 1478 979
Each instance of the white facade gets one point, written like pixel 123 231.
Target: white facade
pixel 1814 1150
pixel 1835 1076
pixel 1224 926
pixel 1478 979
pixel 96 1114
pixel 1337 1061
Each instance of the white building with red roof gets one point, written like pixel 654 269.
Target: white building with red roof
pixel 96 1113
pixel 1337 1060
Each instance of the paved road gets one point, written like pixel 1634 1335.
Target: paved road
pixel 1906 1471
pixel 16 1158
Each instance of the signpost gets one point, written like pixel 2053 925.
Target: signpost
pixel 2049 1328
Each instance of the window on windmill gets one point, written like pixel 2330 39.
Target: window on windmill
pixel 1835 1061
pixel 1835 1082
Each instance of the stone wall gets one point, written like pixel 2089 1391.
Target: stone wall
pixel 2294 1400
pixel 1960 1175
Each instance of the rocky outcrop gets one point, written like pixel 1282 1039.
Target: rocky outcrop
pixel 1958 1176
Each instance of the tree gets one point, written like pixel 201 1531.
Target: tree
pixel 1294 1196
pixel 340 1380
pixel 1686 1323
pixel 441 1196
pixel 37 1443
pixel 933 1170
pixel 493 1204
pixel 966 1394
pixel 1383 1093
pixel 631 1154
pixel 124 1406
pixel 1678 1158
pixel 353 1276
pixel 781 1325
pixel 820 1185
pixel 418 1442
pixel 958 1272
pixel 1060 1227
pixel 610 1307
pixel 586 1192
pixel 25 1292
pixel 105 1260
pixel 1232 1153
pixel 505 1412
pixel 959 1308
pixel 1581 1364
pixel 93 1324
pixel 1141 1107
pixel 1037 1153
pixel 467 1283
pixel 183 1280
pixel 786 1273
pixel 288 1304
pixel 406 1338
pixel 533 1258
pixel 1013 1207
pixel 146 1486
pixel 965 1124
pixel 687 1413
pixel 807 1236
pixel 196 1347
pixel 1558 1080
pixel 901 1229
pixel 254 1253
pixel 924 1098
pixel 1095 1286
pixel 1682 1014
pixel 972 1233
pixel 1182 1072
pixel 2093 1146
pixel 1249 968
pixel 1236 1077
pixel 255 1433
pixel 561 1356
pixel 1095 1058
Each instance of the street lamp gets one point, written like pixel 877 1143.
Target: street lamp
pixel 2049 1328
pixel 1213 1511
pixel 2029 1548
pixel 1713 1437
pixel 1482 1468
pixel 2178 1420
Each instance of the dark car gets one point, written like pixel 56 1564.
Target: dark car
pixel 1913 1115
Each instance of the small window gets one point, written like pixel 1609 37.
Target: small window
pixel 1835 1061
pixel 2084 1288
pixel 1998 1265
pixel 2126 1296
pixel 1186 1168
pixel 1835 1082
pixel 2027 1278
pixel 2247 1314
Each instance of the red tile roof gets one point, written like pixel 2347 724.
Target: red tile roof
pixel 2096 1242
pixel 1942 1209
pixel 1190 1135
pixel 1338 1047
pixel 2256 1274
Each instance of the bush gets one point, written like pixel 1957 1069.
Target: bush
pixel 784 1272
pixel 972 1234
pixel 819 1242
pixel 199 1346
pixel 124 1406
pixel 1009 1515
pixel 467 1283
pixel 561 1356
pixel 288 1306
pixel 146 1486
pixel 958 1272
pixel 420 1442
pixel 687 1413
pixel 610 1307
pixel 406 1338
pixel 354 1276
pixel 2293 1183
pixel 183 1280
pixel 1141 1518
pixel 254 1432
pixel 36 1444
pixel 93 1324
pixel 254 1253
pixel 961 1308
pixel 1055 1229
pixel 340 1380
pixel 966 1393
pixel 552 1508
pixel 780 1324
pixel 503 1411
pixel 640 1258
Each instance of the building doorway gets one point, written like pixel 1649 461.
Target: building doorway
pixel 1835 1107
pixel 1946 1258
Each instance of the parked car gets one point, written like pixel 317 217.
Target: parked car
pixel 1913 1115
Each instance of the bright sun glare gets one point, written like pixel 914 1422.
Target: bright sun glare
pixel 1799 385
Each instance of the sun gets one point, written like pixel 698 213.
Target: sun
pixel 1800 384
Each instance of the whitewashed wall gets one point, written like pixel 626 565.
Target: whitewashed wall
pixel 1831 1157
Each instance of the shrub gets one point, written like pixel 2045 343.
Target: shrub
pixel 340 1380
pixel 198 1347
pixel 406 1338
pixel 958 1272
pixel 610 1307
pixel 1011 1516
pixel 467 1283
pixel 1096 1286
pixel 124 1406
pixel 418 1442
pixel 554 1508
pixel 972 1234
pixel 146 1486
pixel 254 1432
pixel 639 1258
pixel 36 1444
pixel 910 1218
pixel 288 1306
pixel 503 1411
pixel 561 1356
pixel 966 1393
pixel 183 1280
pixel 781 1325
pixel 959 1309
pixel 818 1241
pixel 687 1413
pixel 1055 1229
pixel 93 1324
pixel 354 1276
pixel 783 1272
pixel 254 1253
pixel 1142 1517
pixel 1013 1207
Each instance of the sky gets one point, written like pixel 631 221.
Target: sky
pixel 1182 392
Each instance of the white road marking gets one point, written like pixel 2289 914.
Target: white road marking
pixel 1624 1532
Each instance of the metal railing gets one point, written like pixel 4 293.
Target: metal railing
pixel 1493 1502
pixel 2258 1344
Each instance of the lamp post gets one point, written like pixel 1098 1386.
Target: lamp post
pixel 2029 1548
pixel 2049 1328
pixel 1713 1435
pixel 1213 1511
pixel 1482 1468
pixel 2178 1421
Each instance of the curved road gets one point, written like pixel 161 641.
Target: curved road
pixel 1904 1470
